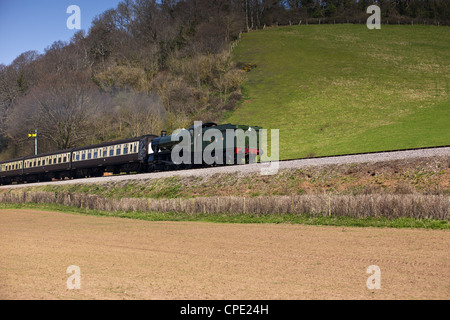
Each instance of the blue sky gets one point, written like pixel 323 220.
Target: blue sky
pixel 35 24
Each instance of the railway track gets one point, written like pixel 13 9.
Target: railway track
pixel 370 157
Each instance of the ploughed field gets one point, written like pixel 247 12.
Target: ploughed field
pixel 131 259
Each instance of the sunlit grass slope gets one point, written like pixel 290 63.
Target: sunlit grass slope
pixel 337 89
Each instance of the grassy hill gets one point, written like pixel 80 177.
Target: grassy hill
pixel 336 89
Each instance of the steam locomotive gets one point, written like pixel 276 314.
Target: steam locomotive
pixel 141 154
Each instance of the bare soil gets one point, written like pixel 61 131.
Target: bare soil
pixel 131 259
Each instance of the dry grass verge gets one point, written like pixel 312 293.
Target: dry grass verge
pixel 359 206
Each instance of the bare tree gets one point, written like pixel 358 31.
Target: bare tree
pixel 61 109
pixel 139 113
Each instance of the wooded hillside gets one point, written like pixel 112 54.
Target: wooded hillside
pixel 150 65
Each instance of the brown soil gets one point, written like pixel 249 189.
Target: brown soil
pixel 130 259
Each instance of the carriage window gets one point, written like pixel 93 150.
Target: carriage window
pixel 125 150
pixel 83 156
pixel 43 162
pixel 118 151
pixel 111 152
pixel 89 156
pixel 65 159
pixel 95 155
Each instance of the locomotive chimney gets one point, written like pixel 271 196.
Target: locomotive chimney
pixel 163 133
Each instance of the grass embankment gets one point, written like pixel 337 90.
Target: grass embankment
pixel 424 177
pixel 392 194
pixel 338 89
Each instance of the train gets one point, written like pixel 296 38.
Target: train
pixel 143 154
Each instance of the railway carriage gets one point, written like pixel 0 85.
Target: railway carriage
pixel 115 157
pixel 11 171
pixel 45 167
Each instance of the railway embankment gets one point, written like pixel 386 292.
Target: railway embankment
pixel 417 188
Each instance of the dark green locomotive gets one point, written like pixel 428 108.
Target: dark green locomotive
pixel 206 144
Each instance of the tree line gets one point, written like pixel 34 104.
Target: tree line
pixel 149 65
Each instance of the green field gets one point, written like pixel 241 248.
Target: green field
pixel 338 89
